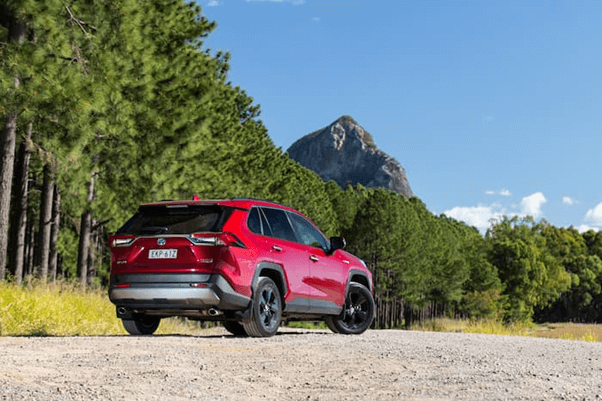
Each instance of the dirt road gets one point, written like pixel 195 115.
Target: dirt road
pixel 300 365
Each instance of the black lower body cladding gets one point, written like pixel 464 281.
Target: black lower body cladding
pixel 148 292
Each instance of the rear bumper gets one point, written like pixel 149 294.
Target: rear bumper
pixel 146 292
pixel 176 297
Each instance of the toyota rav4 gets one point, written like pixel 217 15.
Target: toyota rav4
pixel 250 264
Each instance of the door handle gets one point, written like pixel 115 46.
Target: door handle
pixel 314 258
pixel 276 248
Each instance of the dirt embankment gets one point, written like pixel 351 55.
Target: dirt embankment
pixel 300 365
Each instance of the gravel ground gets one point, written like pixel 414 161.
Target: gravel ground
pixel 300 365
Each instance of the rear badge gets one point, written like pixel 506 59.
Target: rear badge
pixel 161 241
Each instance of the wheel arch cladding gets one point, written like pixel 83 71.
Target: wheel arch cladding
pixel 358 276
pixel 273 272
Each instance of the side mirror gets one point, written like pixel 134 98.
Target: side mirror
pixel 337 243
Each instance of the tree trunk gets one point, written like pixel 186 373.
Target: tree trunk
pixel 84 248
pixel 19 221
pixel 375 280
pixel 7 147
pixel 43 250
pixel 84 237
pixel 30 241
pixel 92 254
pixel 54 234
pixel 16 32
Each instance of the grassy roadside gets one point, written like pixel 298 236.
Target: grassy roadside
pixel 564 331
pixel 62 309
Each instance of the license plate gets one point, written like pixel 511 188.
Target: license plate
pixel 162 253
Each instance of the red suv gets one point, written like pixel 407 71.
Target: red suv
pixel 247 263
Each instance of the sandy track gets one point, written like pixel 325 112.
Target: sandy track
pixel 300 365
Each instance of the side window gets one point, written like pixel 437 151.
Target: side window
pixel 253 221
pixel 308 233
pixel 278 222
pixel 266 229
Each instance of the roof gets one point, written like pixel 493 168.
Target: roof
pixel 245 203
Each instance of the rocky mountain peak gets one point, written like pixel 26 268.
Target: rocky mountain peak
pixel 346 153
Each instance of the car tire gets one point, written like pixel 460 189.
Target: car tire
pixel 330 323
pixel 266 310
pixel 235 328
pixel 357 314
pixel 141 325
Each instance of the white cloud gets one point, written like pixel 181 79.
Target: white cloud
pixel 568 200
pixel 481 216
pixel 531 205
pixel 478 216
pixel 503 192
pixel 584 227
pixel 213 3
pixel 594 216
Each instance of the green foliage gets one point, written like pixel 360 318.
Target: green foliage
pixel 67 248
pixel 379 235
pixel 593 241
pixel 308 325
pixel 124 92
pixel 487 304
pixel 570 248
pixel 530 274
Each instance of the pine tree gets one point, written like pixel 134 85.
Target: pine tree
pixel 15 31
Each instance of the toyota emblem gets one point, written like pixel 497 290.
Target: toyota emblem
pixel 161 241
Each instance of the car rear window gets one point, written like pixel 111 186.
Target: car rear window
pixel 176 219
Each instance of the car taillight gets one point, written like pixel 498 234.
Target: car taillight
pixel 232 240
pixel 209 241
pixel 125 240
pixel 221 239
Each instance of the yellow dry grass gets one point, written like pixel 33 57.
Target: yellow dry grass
pixel 63 309
pixel 565 331
pixel 570 331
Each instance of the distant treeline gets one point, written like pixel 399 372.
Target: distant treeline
pixel 436 266
pixel 110 104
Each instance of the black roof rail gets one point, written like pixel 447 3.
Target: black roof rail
pixel 262 200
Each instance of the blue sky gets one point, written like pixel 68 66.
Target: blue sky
pixel 492 107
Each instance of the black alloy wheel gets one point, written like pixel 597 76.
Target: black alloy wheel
pixel 266 310
pixel 357 314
